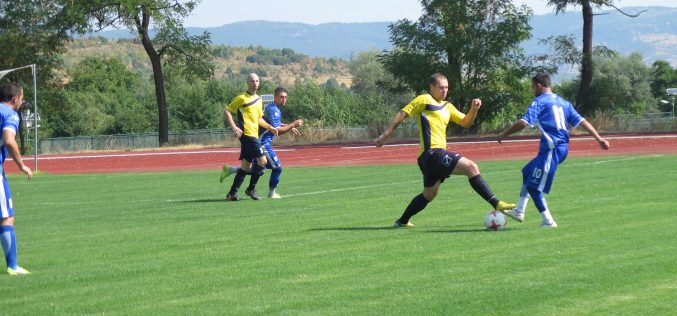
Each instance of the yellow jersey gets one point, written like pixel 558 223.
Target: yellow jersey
pixel 249 109
pixel 433 117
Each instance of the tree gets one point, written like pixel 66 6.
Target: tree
pixel 171 43
pixel 33 32
pixel 582 98
pixel 475 43
pixel 664 77
pixel 622 85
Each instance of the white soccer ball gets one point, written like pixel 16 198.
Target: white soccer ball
pixel 495 221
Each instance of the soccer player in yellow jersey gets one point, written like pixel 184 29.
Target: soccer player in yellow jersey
pixel 249 109
pixel 433 114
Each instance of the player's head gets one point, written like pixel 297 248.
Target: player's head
pixel 12 94
pixel 438 86
pixel 253 82
pixel 540 84
pixel 280 96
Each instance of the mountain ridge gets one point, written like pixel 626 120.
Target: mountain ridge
pixel 653 34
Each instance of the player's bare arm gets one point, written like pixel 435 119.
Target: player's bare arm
pixel 13 149
pixel 237 132
pixel 291 127
pixel 399 117
pixel 603 143
pixel 268 127
pixel 516 127
pixel 469 118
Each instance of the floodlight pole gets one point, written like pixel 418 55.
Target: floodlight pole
pixel 35 116
pixel 672 92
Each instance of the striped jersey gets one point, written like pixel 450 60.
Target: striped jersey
pixel 433 117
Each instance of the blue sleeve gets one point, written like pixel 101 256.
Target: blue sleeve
pixel 10 121
pixel 531 117
pixel 574 118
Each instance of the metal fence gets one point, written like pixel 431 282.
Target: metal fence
pixel 654 122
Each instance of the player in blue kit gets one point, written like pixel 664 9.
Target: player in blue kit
pixel 11 99
pixel 553 115
pixel 272 114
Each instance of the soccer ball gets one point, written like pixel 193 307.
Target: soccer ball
pixel 495 221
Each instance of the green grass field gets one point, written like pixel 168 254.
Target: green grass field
pixel 167 243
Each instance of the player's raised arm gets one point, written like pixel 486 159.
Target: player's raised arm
pixel 291 127
pixel 469 118
pixel 399 117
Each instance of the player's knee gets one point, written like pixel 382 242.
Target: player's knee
pixel 470 168
pixel 429 195
pixel 9 221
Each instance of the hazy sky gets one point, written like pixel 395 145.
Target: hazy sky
pixel 211 13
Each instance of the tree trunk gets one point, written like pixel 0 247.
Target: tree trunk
pixel 163 116
pixel 586 64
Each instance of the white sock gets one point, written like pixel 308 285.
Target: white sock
pixel 233 169
pixel 547 217
pixel 523 200
pixel 272 191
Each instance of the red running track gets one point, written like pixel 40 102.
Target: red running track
pixel 338 154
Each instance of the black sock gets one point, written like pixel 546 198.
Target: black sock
pixel 417 204
pixel 237 182
pixel 482 188
pixel 257 172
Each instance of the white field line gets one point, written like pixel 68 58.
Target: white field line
pixel 169 153
pixel 352 188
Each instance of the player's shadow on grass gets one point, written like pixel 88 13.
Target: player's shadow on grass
pixel 201 201
pixel 437 229
pixel 353 228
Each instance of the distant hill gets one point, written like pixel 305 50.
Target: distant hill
pixel 653 34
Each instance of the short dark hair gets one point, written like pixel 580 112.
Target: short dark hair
pixel 434 78
pixel 9 91
pixel 542 79
pixel 279 90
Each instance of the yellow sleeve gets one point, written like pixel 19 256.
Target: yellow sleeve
pixel 259 111
pixel 456 115
pixel 416 106
pixel 236 104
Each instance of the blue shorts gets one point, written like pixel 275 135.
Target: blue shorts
pixel 250 148
pixel 271 156
pixel 6 208
pixel 539 173
pixel 437 165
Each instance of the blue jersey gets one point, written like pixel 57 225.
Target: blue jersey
pixel 553 115
pixel 9 120
pixel 273 116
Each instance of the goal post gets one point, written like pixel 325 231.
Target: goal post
pixel 35 116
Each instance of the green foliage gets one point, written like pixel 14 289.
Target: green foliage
pixel 622 85
pixel 102 98
pixel 475 43
pixel 663 77
pixel 321 105
pixel 267 56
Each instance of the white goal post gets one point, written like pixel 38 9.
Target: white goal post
pixel 35 115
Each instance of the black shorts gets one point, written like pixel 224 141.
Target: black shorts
pixel 250 149
pixel 437 165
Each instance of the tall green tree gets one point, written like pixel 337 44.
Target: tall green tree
pixel 34 32
pixel 663 77
pixel 475 43
pixel 622 85
pixel 583 96
pixel 170 44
